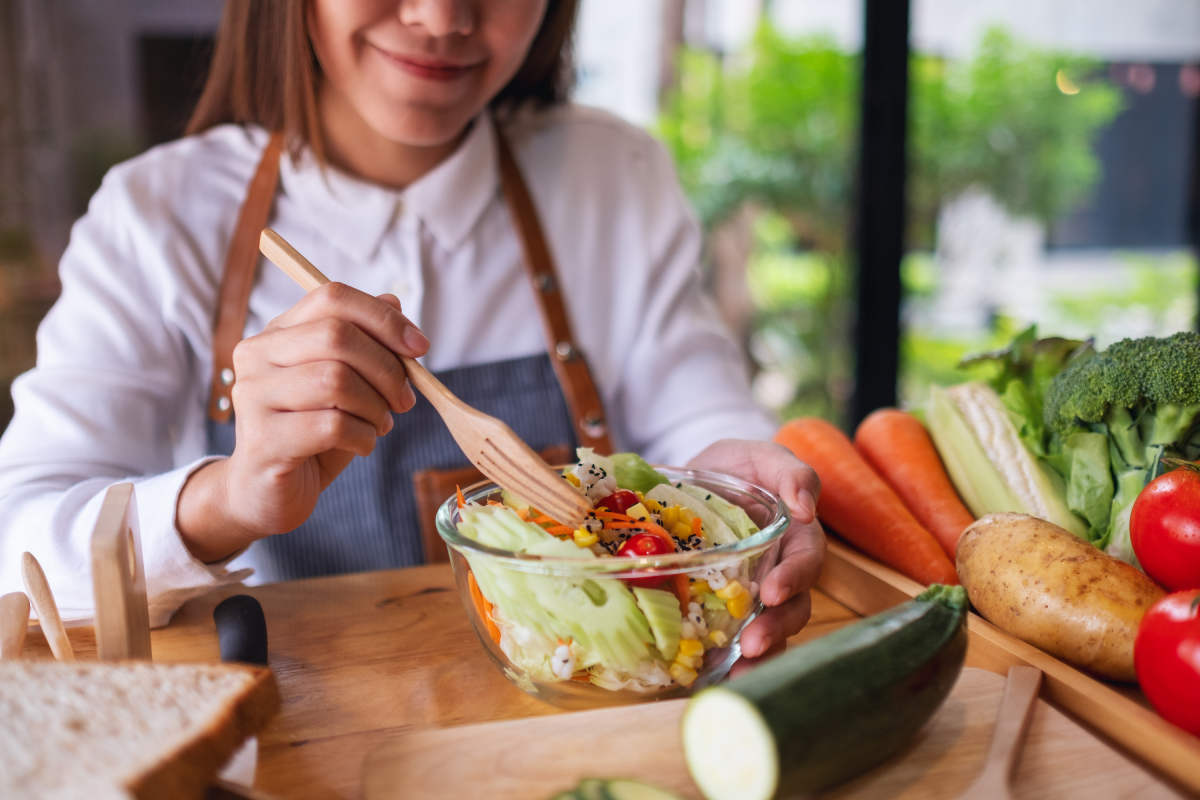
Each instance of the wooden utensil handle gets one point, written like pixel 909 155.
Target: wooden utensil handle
pixel 1016 712
pixel 14 622
pixel 302 271
pixel 43 603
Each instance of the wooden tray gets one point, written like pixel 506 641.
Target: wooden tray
pixel 1117 711
pixel 530 759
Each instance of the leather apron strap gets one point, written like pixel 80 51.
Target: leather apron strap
pixel 579 390
pixel 238 278
pixel 583 401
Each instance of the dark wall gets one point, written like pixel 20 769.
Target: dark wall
pixel 1143 196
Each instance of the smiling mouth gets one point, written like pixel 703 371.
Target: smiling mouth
pixel 429 69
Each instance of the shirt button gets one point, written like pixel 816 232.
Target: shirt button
pixel 222 403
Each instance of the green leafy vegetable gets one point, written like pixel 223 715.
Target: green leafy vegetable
pixel 1143 396
pixel 635 474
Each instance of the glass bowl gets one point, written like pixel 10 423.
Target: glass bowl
pixel 519 635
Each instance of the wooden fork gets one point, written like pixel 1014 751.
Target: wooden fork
pixel 490 444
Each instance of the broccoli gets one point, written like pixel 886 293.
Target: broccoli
pixel 1143 395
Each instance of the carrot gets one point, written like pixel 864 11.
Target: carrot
pixel 462 501
pixel 559 530
pixel 900 450
pixel 612 515
pixel 680 584
pixel 856 503
pixel 483 607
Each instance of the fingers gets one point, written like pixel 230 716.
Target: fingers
pixel 378 317
pixel 745 663
pixel 298 435
pixel 327 340
pixel 770 465
pixel 802 555
pixel 773 627
pixel 324 385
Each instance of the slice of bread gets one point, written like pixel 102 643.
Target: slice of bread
pixel 120 730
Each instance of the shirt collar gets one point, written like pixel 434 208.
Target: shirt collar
pixel 453 196
pixel 355 215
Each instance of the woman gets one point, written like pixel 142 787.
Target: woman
pixel 411 130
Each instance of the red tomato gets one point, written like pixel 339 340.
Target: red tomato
pixel 1164 529
pixel 619 501
pixel 641 545
pixel 1166 656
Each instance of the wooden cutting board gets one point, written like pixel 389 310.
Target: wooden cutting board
pixel 530 759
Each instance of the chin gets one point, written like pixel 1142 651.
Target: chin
pixel 422 125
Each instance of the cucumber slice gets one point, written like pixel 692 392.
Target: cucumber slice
pixel 666 620
pixel 632 790
pixel 590 789
pixel 831 709
pixel 729 747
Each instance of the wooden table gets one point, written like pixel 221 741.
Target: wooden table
pixel 358 659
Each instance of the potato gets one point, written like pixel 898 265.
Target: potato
pixel 1055 591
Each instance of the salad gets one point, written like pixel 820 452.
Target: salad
pixel 644 633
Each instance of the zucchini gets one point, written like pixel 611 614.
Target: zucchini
pixel 831 709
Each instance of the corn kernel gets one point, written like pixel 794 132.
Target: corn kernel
pixel 691 662
pixel 670 516
pixel 572 478
pixel 685 516
pixel 718 639
pixel 641 497
pixel 739 606
pixel 653 505
pixel 682 675
pixel 732 589
pixel 691 647
pixel 680 531
pixel 698 588
pixel 585 538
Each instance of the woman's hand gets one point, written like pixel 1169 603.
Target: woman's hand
pixel 313 390
pixel 785 590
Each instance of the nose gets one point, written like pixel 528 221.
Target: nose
pixel 439 17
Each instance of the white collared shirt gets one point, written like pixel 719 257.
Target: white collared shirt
pixel 121 385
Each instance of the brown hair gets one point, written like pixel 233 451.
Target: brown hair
pixel 264 71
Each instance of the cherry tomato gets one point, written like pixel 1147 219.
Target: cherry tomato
pixel 641 545
pixel 1166 656
pixel 619 501
pixel 1164 528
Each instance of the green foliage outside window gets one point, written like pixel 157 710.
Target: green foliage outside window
pixel 776 127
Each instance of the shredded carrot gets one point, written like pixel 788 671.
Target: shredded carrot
pixel 611 515
pixel 494 503
pixel 523 513
pixel 582 677
pixel 543 519
pixel 696 523
pixel 462 501
pixel 483 607
pixel 680 584
pixel 560 530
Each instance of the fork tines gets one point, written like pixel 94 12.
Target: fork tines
pixel 534 482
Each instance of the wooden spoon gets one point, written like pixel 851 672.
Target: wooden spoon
pixel 47 610
pixel 1016 711
pixel 14 622
pixel 489 443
